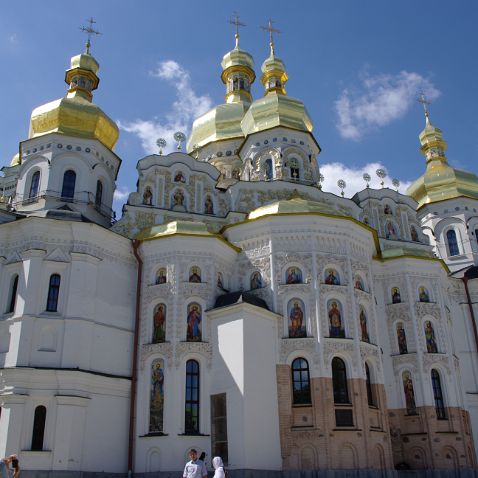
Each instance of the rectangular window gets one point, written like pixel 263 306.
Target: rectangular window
pixel 219 426
pixel 344 418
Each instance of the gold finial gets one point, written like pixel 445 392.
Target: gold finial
pixel 423 100
pixel 269 28
pixel 89 30
pixel 235 21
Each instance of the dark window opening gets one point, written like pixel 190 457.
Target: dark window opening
pixel 69 181
pixel 438 395
pixel 339 381
pixel 13 295
pixel 300 382
pixel 191 422
pixel 38 428
pixel 219 426
pixel 34 185
pixel 53 293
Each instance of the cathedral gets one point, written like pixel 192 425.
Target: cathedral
pixel 235 307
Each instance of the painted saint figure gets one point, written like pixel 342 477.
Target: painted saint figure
pixel 423 294
pixel 195 274
pixel 148 196
pixel 396 298
pixel 194 323
pixel 363 326
pixel 208 205
pixel 387 209
pixel 161 276
pixel 413 234
pixel 179 177
pixel 256 280
pixel 336 328
pixel 359 283
pixel 409 394
pixel 293 275
pixel 402 339
pixel 220 282
pixel 159 324
pixel 296 319
pixel 156 396
pixel 390 231
pixel 178 198
pixel 430 338
pixel 332 277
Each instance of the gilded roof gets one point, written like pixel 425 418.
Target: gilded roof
pixel 75 114
pixel 440 181
pixel 220 123
pixel 274 110
pixel 295 206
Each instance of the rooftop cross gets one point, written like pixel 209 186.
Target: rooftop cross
pixel 423 100
pixel 269 28
pixel 89 30
pixel 235 21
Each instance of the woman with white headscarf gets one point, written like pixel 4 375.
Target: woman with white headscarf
pixel 218 467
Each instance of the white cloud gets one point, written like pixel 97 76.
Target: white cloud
pixel 187 106
pixel 378 101
pixel 13 38
pixel 353 178
pixel 121 193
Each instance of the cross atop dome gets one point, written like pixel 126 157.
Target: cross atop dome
pixel 237 23
pixel 89 30
pixel 269 28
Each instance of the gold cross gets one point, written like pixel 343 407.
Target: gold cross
pixel 423 100
pixel 89 30
pixel 235 21
pixel 269 28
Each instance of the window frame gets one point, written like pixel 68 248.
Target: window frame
pixel 38 429
pixel 438 395
pixel 34 185
pixel 194 403
pixel 68 188
pixel 301 396
pixel 341 395
pixel 13 294
pixel 53 296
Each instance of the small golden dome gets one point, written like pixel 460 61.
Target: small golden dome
pixel 274 75
pixel 15 160
pixel 224 121
pixel 295 206
pixel 440 181
pixel 276 110
pixel 75 114
pixel 220 123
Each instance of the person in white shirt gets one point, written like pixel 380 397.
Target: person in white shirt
pixel 194 468
pixel 218 467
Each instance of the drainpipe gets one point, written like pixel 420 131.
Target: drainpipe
pixel 134 375
pixel 470 306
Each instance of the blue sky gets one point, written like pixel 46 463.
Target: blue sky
pixel 357 65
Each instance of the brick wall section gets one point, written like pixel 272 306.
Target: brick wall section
pixel 380 438
pixel 423 441
pixel 310 438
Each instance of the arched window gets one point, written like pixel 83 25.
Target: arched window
pixel 34 185
pixel 38 428
pixel 69 181
pixel 339 381
pixel 191 409
pixel 476 235
pixel 269 174
pixel 370 397
pixel 53 293
pixel 294 169
pixel 300 382
pixel 13 295
pixel 452 243
pixel 438 396
pixel 99 194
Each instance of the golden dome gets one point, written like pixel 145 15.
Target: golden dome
pixel 15 160
pixel 75 114
pixel 294 206
pixel 275 108
pixel 440 181
pixel 224 121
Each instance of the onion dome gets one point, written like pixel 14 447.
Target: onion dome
pixel 440 181
pixel 275 109
pixel 224 121
pixel 15 160
pixel 75 114
pixel 295 206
